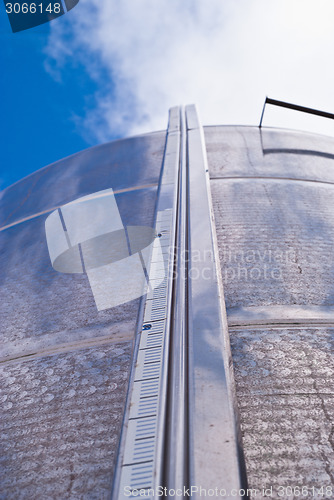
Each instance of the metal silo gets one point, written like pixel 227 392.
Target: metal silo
pixel 167 317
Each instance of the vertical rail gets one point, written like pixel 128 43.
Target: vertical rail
pixel 140 463
pixel 215 456
pixel 177 428
pixel 180 429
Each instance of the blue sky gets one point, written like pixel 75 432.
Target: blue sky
pixel 111 69
pixel 39 114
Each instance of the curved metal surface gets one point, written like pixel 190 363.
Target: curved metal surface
pixel 64 365
pixel 275 241
pixel 120 165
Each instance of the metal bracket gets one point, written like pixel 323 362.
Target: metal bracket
pixel 295 107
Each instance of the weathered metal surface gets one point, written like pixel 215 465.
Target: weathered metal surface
pixel 64 365
pixel 273 200
pixel 60 420
pixel 285 392
pixel 275 240
pixel 250 152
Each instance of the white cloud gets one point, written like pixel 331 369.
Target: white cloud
pixel 225 55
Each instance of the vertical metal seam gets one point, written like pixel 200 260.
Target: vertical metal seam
pixel 177 439
pixel 196 161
